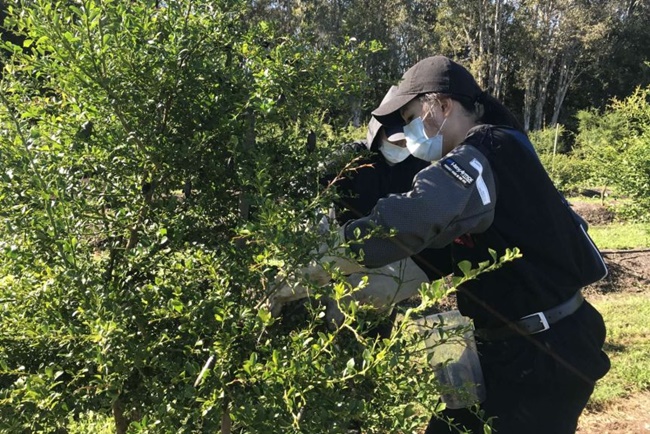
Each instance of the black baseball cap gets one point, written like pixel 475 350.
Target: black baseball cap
pixel 436 74
pixel 394 132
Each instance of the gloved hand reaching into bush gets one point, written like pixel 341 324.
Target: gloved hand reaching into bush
pixel 384 287
pixel 316 272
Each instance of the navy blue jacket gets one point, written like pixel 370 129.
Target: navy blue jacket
pixel 489 194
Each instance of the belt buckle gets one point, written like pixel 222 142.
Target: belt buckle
pixel 542 319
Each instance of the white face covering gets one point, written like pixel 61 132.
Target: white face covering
pixel 423 147
pixel 392 153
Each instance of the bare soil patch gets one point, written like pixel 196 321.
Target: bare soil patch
pixel 629 270
pixel 627 416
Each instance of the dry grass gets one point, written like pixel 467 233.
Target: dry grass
pixel 626 416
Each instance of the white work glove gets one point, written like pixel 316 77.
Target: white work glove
pixel 385 287
pixel 389 284
pixel 315 272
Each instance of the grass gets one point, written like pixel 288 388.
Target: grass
pixel 626 316
pixel 621 235
pixel 627 345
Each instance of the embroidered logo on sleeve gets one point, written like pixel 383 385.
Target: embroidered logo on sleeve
pixel 457 172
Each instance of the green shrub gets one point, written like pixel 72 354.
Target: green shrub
pixel 549 140
pixel 617 145
pixel 568 172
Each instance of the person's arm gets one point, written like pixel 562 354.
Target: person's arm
pixel 357 188
pixel 452 197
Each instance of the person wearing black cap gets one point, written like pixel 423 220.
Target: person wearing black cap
pixel 389 168
pixel 385 166
pixel 540 342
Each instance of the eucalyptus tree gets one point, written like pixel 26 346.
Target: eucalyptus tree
pixel 624 62
pixel 560 41
pixel 479 33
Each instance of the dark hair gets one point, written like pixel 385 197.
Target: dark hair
pixel 495 113
pixel 492 112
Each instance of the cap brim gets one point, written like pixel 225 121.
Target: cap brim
pixel 391 120
pixel 373 128
pixel 391 106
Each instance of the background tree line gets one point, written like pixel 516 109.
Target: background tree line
pixel 546 59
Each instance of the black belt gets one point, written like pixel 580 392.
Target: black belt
pixel 534 323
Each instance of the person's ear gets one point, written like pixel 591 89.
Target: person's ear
pixel 446 105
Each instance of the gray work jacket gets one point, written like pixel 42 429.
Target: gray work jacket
pixel 451 197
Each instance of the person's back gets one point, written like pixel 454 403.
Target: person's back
pixel 531 215
pixel 558 259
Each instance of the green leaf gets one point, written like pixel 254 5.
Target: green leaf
pixel 465 267
pixel 264 315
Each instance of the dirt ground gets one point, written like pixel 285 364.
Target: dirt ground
pixel 629 272
pixel 628 416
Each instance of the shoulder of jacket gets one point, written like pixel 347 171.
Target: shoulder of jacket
pixel 488 129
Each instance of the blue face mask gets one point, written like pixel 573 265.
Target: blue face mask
pixel 392 153
pixel 423 147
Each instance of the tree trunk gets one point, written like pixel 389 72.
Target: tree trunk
pixel 495 82
pixel 226 422
pixel 568 73
pixel 249 144
pixel 544 75
pixel 482 77
pixel 529 96
pixel 121 422
pixel 563 85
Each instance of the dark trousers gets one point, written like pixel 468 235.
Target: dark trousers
pixel 519 409
pixel 538 384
